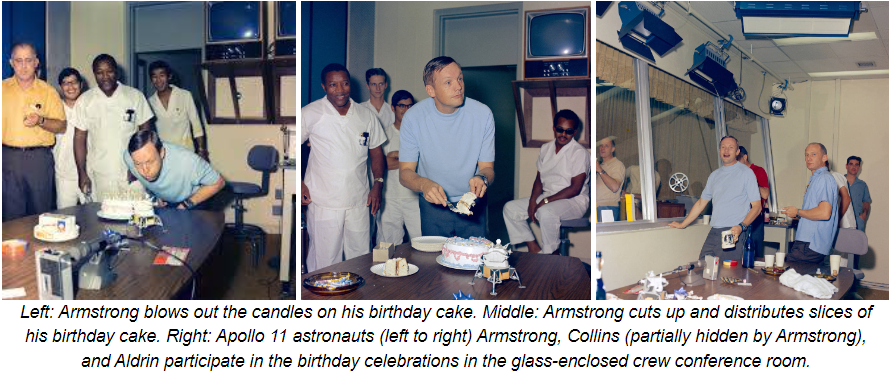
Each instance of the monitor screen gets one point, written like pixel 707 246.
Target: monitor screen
pixel 233 20
pixel 287 18
pixel 557 34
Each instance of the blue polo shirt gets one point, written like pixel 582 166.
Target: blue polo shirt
pixel 731 189
pixel 182 173
pixel 860 194
pixel 819 234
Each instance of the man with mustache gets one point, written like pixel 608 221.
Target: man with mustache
pixel 343 136
pixel 450 140
pixel 109 115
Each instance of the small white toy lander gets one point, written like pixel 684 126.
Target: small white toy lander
pixel 495 268
pixel 653 286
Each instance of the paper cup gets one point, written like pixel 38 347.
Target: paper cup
pixel 834 265
pixel 779 257
pixel 769 261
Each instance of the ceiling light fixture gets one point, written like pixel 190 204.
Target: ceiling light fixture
pixel 643 29
pixel 865 36
pixel 850 73
pixel 797 18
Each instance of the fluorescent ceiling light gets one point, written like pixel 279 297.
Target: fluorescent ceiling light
pixel 850 73
pixel 868 35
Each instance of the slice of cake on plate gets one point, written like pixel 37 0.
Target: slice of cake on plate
pixel 396 267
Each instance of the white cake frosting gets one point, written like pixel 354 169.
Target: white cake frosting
pixel 465 203
pixel 396 267
pixel 127 208
pixel 465 253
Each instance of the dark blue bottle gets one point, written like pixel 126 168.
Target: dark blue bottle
pixel 749 251
pixel 600 294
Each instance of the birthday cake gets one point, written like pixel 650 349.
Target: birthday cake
pixel 124 205
pixel 465 253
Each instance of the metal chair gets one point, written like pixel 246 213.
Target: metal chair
pixel 566 227
pixel 263 158
pixel 854 243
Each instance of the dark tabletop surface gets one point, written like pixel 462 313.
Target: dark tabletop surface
pixel 137 277
pixel 546 277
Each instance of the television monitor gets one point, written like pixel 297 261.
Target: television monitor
pixel 286 28
pixel 231 21
pixel 558 43
pixel 286 15
pixel 234 30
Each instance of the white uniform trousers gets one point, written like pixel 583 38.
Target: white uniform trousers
pixel 333 231
pixel 67 193
pixel 393 215
pixel 549 216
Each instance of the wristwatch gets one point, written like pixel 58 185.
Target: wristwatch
pixel 545 200
pixel 189 204
pixel 743 227
pixel 379 180
pixel 485 181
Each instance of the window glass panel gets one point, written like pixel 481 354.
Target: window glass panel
pixel 615 119
pixel 747 128
pixel 684 142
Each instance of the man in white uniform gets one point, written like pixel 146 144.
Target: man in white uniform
pixel 846 214
pixel 560 191
pixel 67 192
pixel 342 137
pixel 109 114
pixel 401 204
pixel 176 118
pixel 376 81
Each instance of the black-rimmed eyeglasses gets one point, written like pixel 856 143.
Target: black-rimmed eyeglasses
pixel 403 106
pixel 569 131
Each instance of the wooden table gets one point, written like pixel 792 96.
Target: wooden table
pixel 765 287
pixel 546 277
pixel 137 277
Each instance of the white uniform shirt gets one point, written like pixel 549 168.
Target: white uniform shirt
pixel 385 116
pixel 173 123
pixel 337 176
pixel 110 122
pixel 556 169
pixel 394 189
pixel 848 218
pixel 63 152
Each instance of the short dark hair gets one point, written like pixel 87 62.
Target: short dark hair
pixel 568 115
pixel 742 151
pixel 105 58
pixel 856 158
pixel 333 67
pixel 401 95
pixel 730 137
pixel 436 65
pixel 159 64
pixel 143 137
pixel 375 72
pixel 68 71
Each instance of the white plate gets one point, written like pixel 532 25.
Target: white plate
pixel 429 244
pixel 60 238
pixel 719 296
pixel 378 269
pixel 108 216
pixel 444 264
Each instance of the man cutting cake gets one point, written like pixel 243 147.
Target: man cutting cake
pixel 450 140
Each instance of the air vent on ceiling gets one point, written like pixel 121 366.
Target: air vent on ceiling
pixel 866 64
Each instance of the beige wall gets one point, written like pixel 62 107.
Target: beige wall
pixel 404 44
pixel 98 27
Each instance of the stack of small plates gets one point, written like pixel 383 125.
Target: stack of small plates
pixel 428 243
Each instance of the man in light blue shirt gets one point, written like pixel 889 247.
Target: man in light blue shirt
pixel 176 176
pixel 450 140
pixel 736 202
pixel 818 218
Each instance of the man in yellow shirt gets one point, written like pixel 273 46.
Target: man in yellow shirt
pixel 32 115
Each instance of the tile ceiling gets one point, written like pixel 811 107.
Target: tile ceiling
pixel 795 62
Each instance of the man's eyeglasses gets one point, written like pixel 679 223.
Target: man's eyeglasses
pixel 569 131
pixel 403 106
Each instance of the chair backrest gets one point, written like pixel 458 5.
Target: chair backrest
pixel 852 241
pixel 263 158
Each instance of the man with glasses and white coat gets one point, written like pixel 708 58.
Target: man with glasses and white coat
pixel 400 205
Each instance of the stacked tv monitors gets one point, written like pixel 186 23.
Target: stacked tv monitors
pixel 286 28
pixel 234 30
